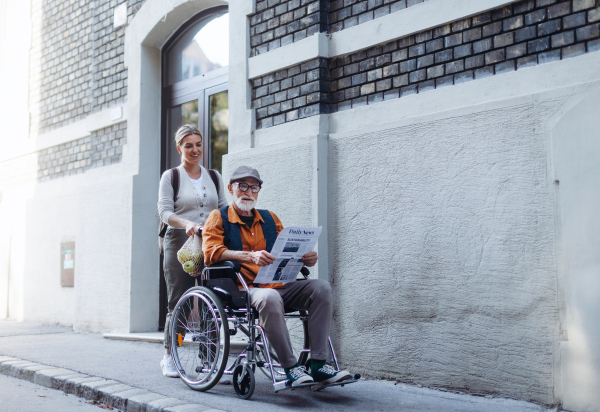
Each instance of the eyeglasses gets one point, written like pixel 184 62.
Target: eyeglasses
pixel 244 187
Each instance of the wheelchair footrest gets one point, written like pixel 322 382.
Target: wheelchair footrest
pixel 286 384
pixel 320 386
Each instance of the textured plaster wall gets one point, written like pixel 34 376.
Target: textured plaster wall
pixel 444 252
pixel 287 172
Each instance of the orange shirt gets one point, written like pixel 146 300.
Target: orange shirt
pixel 253 240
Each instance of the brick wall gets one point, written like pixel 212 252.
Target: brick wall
pixel 290 94
pixel 60 60
pixel 348 13
pixel 503 40
pixel 102 148
pixel 76 60
pixel 520 35
pixel 277 23
pixel 109 76
pixel 280 22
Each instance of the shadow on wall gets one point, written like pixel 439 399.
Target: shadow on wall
pixel 576 150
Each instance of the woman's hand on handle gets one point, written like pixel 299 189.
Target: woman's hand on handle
pixel 192 228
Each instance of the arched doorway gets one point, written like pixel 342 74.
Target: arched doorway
pixel 195 91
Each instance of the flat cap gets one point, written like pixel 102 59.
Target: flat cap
pixel 243 172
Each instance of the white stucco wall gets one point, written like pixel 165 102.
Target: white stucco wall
pixel 94 211
pixel 575 154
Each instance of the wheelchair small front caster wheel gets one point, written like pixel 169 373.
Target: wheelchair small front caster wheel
pixel 243 384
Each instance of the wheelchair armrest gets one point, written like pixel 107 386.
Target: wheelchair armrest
pixel 304 271
pixel 223 270
pixel 235 266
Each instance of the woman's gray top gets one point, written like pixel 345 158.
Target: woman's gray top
pixel 191 204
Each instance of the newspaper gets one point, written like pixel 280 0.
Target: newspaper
pixel 291 244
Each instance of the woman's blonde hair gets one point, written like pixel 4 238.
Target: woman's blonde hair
pixel 184 131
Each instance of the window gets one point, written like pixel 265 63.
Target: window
pixel 195 67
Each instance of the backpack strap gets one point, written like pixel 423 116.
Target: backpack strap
pixel 162 227
pixel 175 183
pixel 215 179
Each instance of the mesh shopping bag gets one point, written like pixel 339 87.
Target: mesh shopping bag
pixel 190 255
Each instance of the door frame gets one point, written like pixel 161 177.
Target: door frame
pixel 178 93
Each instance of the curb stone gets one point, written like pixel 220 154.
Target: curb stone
pixel 16 371
pixel 109 392
pixel 162 405
pixel 28 372
pixel 58 382
pixel 43 377
pixel 138 403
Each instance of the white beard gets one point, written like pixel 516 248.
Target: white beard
pixel 244 205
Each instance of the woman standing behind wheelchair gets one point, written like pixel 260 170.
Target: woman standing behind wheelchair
pixel 185 215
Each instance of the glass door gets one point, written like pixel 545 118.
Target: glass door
pixel 216 125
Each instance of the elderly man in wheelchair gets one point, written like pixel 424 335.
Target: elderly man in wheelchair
pixel 236 243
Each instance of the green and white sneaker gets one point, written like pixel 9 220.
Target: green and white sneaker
pixel 298 375
pixel 325 374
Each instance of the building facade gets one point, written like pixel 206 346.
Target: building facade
pixel 447 148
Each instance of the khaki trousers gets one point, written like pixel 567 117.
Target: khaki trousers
pixel 178 281
pixel 312 295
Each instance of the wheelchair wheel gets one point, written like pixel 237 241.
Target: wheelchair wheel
pixel 243 384
pixel 298 330
pixel 199 342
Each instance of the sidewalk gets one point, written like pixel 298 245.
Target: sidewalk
pixel 134 365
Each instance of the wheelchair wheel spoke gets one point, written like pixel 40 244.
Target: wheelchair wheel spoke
pixel 199 354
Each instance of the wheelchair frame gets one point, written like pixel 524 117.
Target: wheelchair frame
pixel 243 319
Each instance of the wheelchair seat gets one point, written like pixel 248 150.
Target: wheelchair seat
pixel 222 279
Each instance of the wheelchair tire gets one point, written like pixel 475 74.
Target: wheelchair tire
pixel 243 385
pixel 299 336
pixel 201 358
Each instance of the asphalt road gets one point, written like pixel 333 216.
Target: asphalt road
pixel 22 396
pixel 137 364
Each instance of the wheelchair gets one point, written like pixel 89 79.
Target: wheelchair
pixel 207 315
